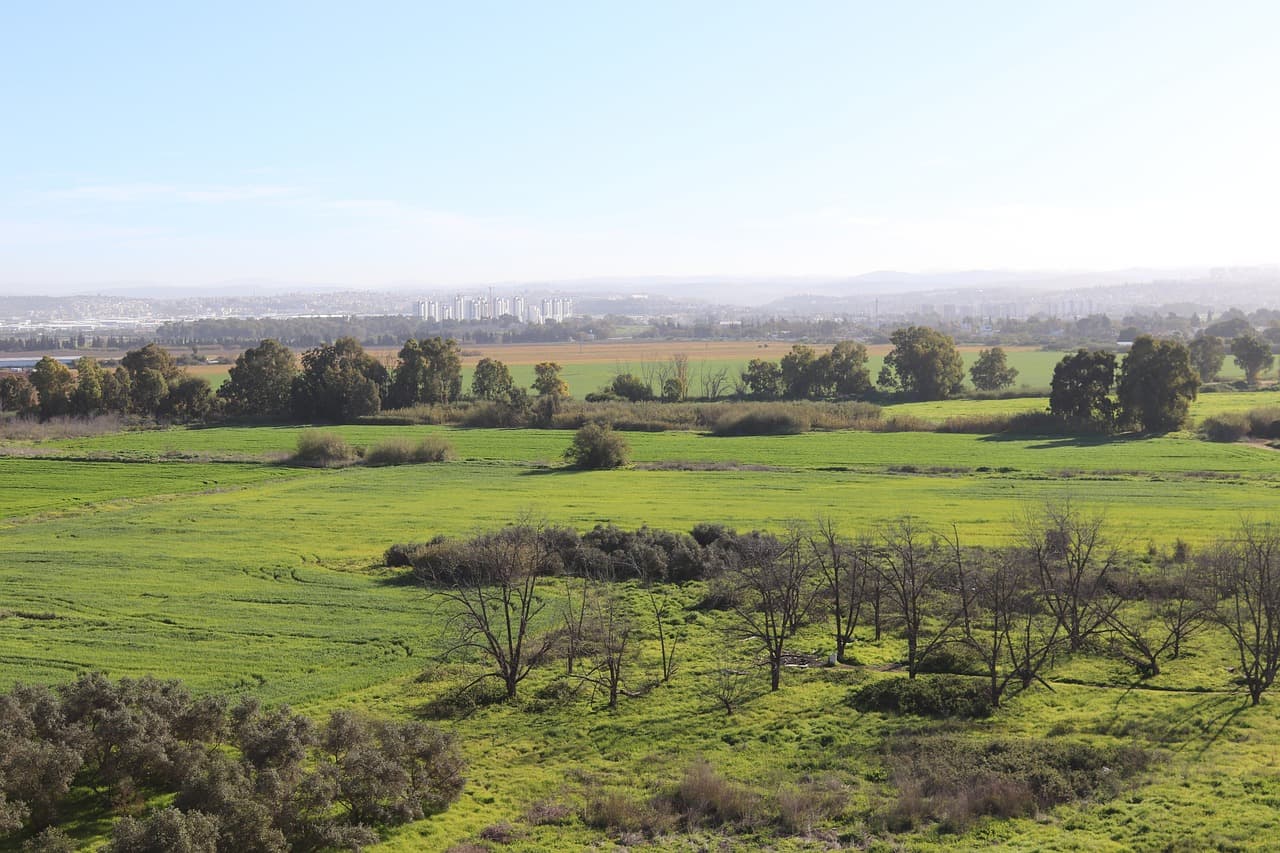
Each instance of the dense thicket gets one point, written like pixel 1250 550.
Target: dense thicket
pixel 243 777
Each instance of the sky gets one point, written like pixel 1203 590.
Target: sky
pixel 379 144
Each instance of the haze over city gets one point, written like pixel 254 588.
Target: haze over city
pixel 409 145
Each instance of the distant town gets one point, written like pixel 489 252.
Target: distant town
pixel 993 307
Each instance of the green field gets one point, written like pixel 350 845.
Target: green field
pixel 153 555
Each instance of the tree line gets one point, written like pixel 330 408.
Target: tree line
pixel 235 777
pixel 1002 615
pixel 147 382
pixel 1151 388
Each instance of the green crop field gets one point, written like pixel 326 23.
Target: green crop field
pixel 196 554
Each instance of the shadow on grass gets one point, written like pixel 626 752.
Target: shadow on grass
pixel 1053 442
pixel 1196 727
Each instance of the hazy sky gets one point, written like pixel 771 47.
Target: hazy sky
pixel 375 143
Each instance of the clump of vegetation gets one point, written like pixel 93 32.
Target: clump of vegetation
pixel 404 451
pixel 763 420
pixel 323 449
pixel 925 696
pixel 597 446
pixel 954 780
pixel 1261 423
pixel 248 778
pixel 1226 427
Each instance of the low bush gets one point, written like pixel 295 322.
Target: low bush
pixel 762 420
pixel 955 780
pixel 952 659
pixel 620 814
pixel 1265 422
pixel 596 446
pixel 705 798
pixel 925 696
pixel 548 813
pixel 322 449
pixel 493 415
pixel 404 451
pixel 1227 427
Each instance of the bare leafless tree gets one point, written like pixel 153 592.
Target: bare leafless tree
pixel 715 381
pixel 573 614
pixel 728 686
pixel 1008 627
pixel 846 570
pixel 918 577
pixel 1156 618
pixel 610 626
pixel 1250 611
pixel 666 642
pixel 496 601
pixel 1074 562
pixel 776 582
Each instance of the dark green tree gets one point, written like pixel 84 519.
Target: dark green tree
pixel 991 371
pixel 843 370
pixel 338 382
pixel 261 382
pixel 152 373
pixel 802 376
pixel 1081 388
pixel 1157 384
pixel 191 399
pixel 54 383
pixel 429 371
pixel 924 364
pixel 17 394
pixel 1252 355
pixel 1207 354
pixel 87 398
pixel 763 379
pixel 492 380
pixel 628 386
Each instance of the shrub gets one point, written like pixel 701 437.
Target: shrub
pixel 494 415
pixel 951 659
pixel 595 446
pixel 323 449
pixel 704 797
pixel 548 813
pixel 762 420
pixel 955 780
pixel 619 814
pixel 802 806
pixel 1265 422
pixel 404 451
pixel 500 833
pixel 927 696
pixel 1229 426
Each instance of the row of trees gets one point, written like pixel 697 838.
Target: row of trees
pixel 1154 386
pixel 341 381
pixel 1007 614
pixel 924 364
pixel 147 382
pixel 239 777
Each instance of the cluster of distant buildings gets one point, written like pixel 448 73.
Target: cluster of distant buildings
pixel 490 307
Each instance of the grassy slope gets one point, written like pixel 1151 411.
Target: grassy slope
pixel 241 576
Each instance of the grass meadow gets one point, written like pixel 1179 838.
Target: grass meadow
pixel 197 554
